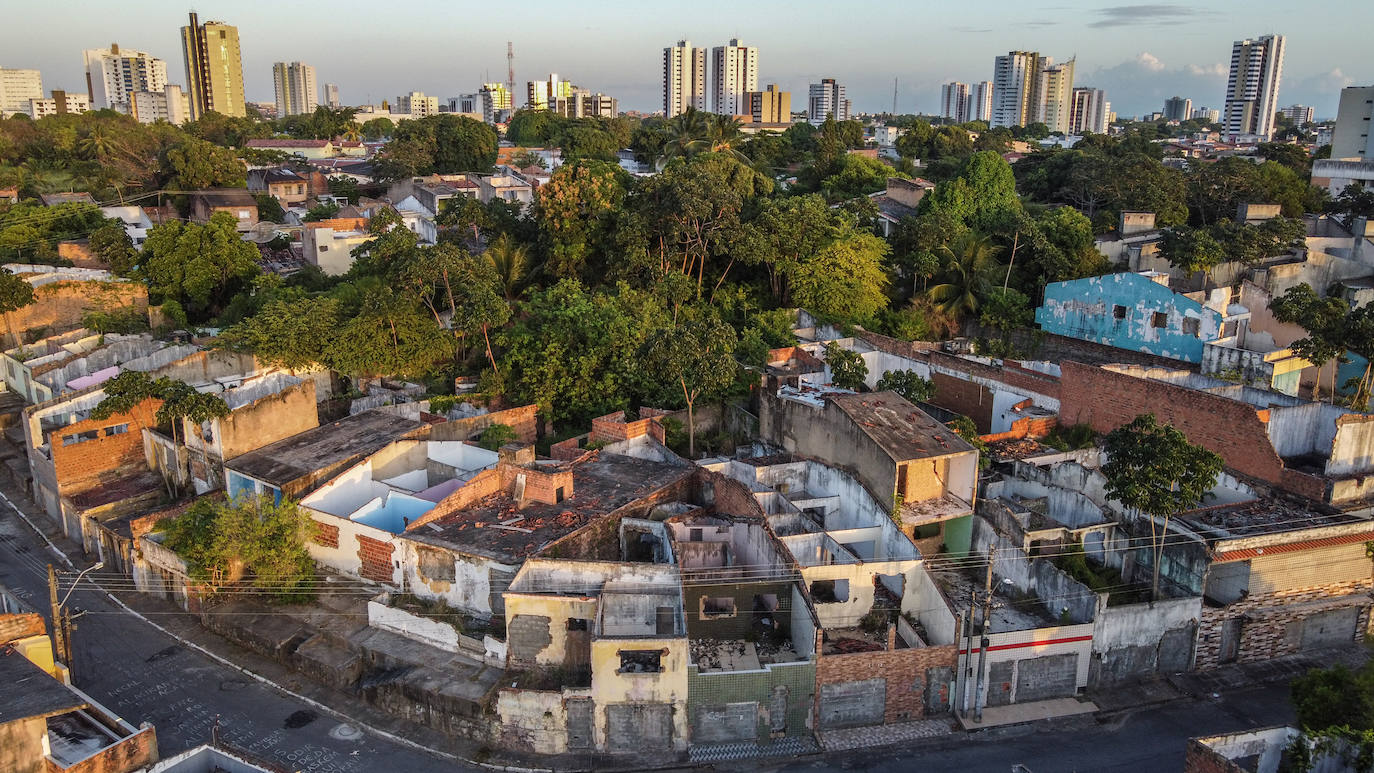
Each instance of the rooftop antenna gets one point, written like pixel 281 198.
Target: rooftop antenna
pixel 510 69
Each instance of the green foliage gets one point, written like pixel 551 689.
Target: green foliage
pixel 321 212
pixel 1333 330
pixel 192 165
pixel 969 270
pixel 378 128
pixel 345 187
pixel 124 392
pixel 29 232
pixel 847 368
pixel 908 384
pixel 576 212
pixel 697 355
pixel 1006 309
pixel 269 209
pixel 198 265
pixel 964 427
pixel 15 293
pixel 444 143
pixel 1191 249
pixel 845 280
pixel 267 539
pixel 112 245
pixel 115 321
pixel 495 436
pixel 1072 437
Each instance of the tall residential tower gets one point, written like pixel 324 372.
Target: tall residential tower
pixel 684 78
pixel 214 68
pixel 826 100
pixel 294 85
pixel 1252 91
pixel 1016 88
pixel 113 75
pixel 736 73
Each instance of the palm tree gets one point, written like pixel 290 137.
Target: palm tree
pixel 512 263
pixel 98 145
pixel 352 132
pixel 723 135
pixel 968 267
pixel 688 133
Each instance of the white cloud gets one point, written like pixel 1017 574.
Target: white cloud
pixel 1216 70
pixel 1149 61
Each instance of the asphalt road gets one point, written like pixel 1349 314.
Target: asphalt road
pixel 145 676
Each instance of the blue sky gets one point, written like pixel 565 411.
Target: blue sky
pixel 1141 53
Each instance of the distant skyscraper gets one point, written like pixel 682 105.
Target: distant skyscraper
pixel 170 105
pixel 294 84
pixel 1178 109
pixel 417 104
pixel 826 100
pixel 1206 114
pixel 1252 91
pixel 955 101
pixel 1090 111
pixel 736 73
pixel 17 87
pixel 1054 97
pixel 1353 137
pixel 544 95
pixel 331 95
pixel 684 78
pixel 1299 114
pixel 113 75
pixel 1016 88
pixel 61 103
pixel 770 105
pixel 214 69
pixel 496 102
pixel 980 101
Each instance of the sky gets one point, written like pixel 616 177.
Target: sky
pixel 1140 53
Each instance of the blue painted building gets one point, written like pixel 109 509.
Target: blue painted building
pixel 1130 311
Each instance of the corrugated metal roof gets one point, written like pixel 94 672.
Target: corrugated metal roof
pixel 1292 547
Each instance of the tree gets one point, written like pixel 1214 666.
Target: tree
pixel 495 436
pixel 576 211
pixel 463 212
pixel 1191 249
pixel 968 267
pixel 908 384
pixel 847 368
pixel 378 128
pixel 699 356
pixel 511 262
pixel 181 402
pixel 291 334
pixel 388 335
pixel 1324 319
pixel 269 209
pixel 345 187
pixel 204 264
pixel 192 165
pixel 1355 201
pixel 533 128
pixel 267 538
pixel 845 280
pixel 588 142
pixel 527 158
pixel 1006 309
pixel 1333 697
pixel 1152 468
pixel 15 294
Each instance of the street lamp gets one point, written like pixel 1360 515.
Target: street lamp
pixel 61 619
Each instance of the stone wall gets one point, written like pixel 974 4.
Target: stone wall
pixel 1270 624
pixel 524 420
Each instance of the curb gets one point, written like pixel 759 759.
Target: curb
pixel 262 679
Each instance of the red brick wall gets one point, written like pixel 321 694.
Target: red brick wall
pixel 904 670
pixel 19 626
pixel 326 534
pixel 85 465
pixel 483 484
pixel 1106 400
pixel 613 428
pixel 132 753
pixel 376 558
pixel 1200 759
pixel 966 397
pixel 1032 427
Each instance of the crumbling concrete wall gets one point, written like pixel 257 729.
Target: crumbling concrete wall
pixel 1137 640
pixel 748 706
pixel 895 685
pixel 61 306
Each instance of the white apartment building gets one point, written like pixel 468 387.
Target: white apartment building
pixel 17 87
pixel 955 102
pixel 1055 96
pixel 1090 112
pixel 826 100
pixel 331 95
pixel 1210 115
pixel 684 78
pixel 1178 108
pixel 980 101
pixel 171 105
pixel 114 74
pixel 1299 114
pixel 1015 87
pixel 1351 137
pixel 465 103
pixel 60 102
pixel 417 104
pixel 736 68
pixel 294 85
pixel 1252 91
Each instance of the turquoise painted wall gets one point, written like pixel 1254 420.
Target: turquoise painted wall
pixel 1122 310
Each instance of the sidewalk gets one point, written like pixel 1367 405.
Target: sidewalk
pixel 884 735
pixel 1021 713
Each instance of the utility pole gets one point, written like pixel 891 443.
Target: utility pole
pixel 968 649
pixel 983 643
pixel 894 97
pixel 960 663
pixel 59 633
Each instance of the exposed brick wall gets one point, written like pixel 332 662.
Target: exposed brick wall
pixel 570 449
pixel 966 397
pixel 1201 759
pixel 59 306
pixel 483 484
pixel 1105 400
pixel 87 464
pixel 19 626
pixel 613 427
pixel 1263 635
pixel 904 670
pixel 541 486
pixel 326 534
pixel 1032 427
pixel 524 420
pixel 376 558
pixel 132 753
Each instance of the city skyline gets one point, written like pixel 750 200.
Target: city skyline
pixel 1139 54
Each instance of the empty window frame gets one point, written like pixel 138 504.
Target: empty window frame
pixel 1119 311
pixel 717 606
pixel 1159 320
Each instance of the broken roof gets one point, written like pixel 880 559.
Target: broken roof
pixel 1260 517
pixel 902 430
pixel 30 691
pixel 495 527
pixel 316 449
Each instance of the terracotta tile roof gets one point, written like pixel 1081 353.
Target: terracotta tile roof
pixel 270 143
pixel 1293 547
